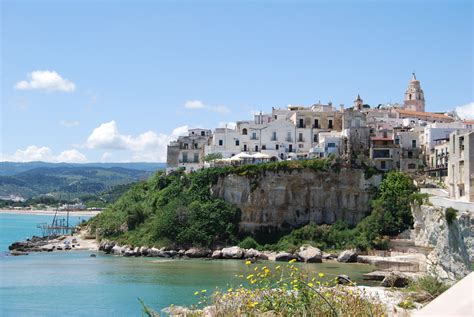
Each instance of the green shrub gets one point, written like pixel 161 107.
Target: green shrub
pixel 450 214
pixel 249 243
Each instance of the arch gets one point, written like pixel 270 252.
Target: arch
pixel 244 131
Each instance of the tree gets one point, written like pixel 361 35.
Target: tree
pixel 212 157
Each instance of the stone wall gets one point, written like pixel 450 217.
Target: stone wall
pixel 279 200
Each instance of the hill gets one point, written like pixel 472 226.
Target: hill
pixel 67 181
pixel 12 168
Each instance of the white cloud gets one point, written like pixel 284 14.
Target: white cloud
pixel 71 156
pixel 194 104
pixel 148 146
pixel 68 123
pixel 46 80
pixel 43 153
pixel 466 111
pixel 199 105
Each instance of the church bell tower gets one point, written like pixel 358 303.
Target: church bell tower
pixel 414 96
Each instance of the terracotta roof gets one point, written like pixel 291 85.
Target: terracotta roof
pixel 422 114
pixel 469 122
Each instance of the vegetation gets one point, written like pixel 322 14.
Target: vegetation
pixel 177 210
pixel 450 215
pixel 212 157
pixel 67 182
pixel 286 291
pixel 424 289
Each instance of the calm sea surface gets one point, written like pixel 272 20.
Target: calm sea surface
pixel 74 284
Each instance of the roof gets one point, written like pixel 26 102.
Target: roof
pixel 422 114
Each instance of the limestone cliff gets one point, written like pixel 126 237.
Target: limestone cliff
pixel 279 200
pixel 449 259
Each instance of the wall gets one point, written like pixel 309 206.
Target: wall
pixel 283 200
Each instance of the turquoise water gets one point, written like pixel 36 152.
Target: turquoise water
pixel 75 284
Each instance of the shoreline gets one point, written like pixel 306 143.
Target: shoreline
pixel 49 212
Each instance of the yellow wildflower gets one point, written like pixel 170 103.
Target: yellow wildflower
pixel 310 284
pixel 248 262
pixel 196 293
pixel 203 291
pixel 249 277
pixel 321 274
pixel 292 261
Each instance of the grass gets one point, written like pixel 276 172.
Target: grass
pixel 425 289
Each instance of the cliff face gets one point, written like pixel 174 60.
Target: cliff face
pixel 449 258
pixel 278 200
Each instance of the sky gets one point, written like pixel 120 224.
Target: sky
pixel 115 81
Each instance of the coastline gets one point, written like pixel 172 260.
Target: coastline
pixel 49 212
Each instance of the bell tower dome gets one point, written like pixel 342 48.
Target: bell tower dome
pixel 358 103
pixel 414 96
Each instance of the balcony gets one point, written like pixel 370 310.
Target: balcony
pixel 254 137
pixel 301 126
pixel 273 139
pixel 289 139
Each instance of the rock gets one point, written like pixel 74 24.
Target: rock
pixel 128 252
pixel 343 279
pixel 154 252
pixel 309 254
pixel 93 255
pixel 285 256
pixel 233 253
pixel 329 256
pixel 347 256
pixel 117 250
pixel 171 253
pixel 197 252
pixel 395 279
pixel 181 252
pixel 143 251
pixel 217 254
pixel 17 253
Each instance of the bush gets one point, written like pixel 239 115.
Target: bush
pixel 249 243
pixel 426 288
pixel 450 215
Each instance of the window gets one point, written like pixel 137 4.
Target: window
pixel 203 133
pixel 330 124
pixel 411 166
pixel 331 144
pixel 245 147
pixel 410 154
pixel 316 124
pixel 288 137
pixel 300 146
pixel 221 142
pixel 254 136
pixel 274 136
pixel 290 148
pixel 264 147
pixel 277 147
pixel 300 137
pixel 237 142
pixel 385 134
pixel 256 148
pixel 185 157
pixel 244 131
pixel 315 138
pixel 413 143
pixel 383 165
pixel 196 157
pixel 301 125
pixel 397 141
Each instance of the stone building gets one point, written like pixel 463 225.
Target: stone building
pixel 411 157
pixel 438 158
pixel 461 166
pixel 188 151
pixel 414 96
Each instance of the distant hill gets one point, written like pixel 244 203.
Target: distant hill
pixel 12 168
pixel 69 181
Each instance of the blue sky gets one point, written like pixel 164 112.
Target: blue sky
pixel 110 80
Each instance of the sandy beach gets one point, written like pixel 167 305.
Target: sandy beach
pixel 50 212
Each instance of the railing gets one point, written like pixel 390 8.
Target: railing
pixel 289 139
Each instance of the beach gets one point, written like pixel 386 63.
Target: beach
pixel 82 213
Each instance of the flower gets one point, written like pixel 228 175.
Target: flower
pixel 196 293
pixel 248 262
pixel 310 284
pixel 229 290
pixel 203 291
pixel 292 261
pixel 321 274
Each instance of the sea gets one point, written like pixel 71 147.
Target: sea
pixel 73 283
